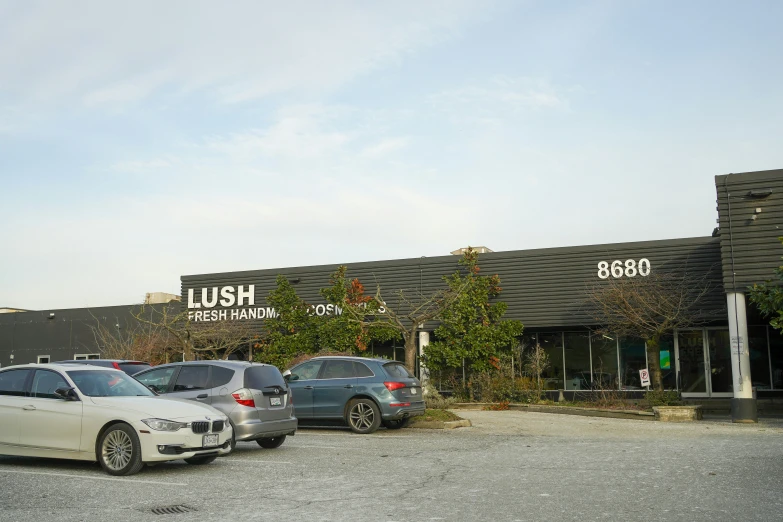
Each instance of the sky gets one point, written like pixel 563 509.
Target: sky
pixel 141 141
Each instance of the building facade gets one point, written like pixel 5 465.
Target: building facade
pixel 730 354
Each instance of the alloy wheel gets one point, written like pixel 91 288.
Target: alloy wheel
pixel 117 450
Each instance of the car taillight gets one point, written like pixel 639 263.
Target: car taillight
pixel 244 397
pixel 399 404
pixel 116 366
pixel 391 386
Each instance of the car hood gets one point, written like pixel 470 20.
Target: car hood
pixel 158 407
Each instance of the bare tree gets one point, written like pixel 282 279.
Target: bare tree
pixel 131 340
pixel 651 307
pixel 218 338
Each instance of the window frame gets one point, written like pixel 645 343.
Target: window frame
pixel 207 382
pixel 47 357
pixel 174 376
pixel 25 385
pixel 86 356
pixel 31 390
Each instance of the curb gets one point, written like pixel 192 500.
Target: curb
pixel 567 410
pixel 441 425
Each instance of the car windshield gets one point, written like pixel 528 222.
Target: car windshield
pixel 108 383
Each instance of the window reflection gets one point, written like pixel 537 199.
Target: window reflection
pixel 776 354
pixel 632 359
pixel 577 361
pixel 604 352
pixel 551 343
pixel 759 357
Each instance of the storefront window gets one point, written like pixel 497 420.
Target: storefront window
pixel 552 344
pixel 776 354
pixel 692 368
pixel 720 360
pixel 759 357
pixel 604 350
pixel 577 361
pixel 632 359
pixel 668 366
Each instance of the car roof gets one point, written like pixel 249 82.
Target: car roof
pixel 56 366
pixel 118 361
pixel 354 358
pixel 215 362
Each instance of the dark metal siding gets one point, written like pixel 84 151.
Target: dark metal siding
pixel 543 287
pixel 750 248
pixel 30 334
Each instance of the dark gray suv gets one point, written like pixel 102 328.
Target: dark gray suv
pixel 255 396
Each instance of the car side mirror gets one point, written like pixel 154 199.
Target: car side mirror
pixel 66 394
pixel 287 375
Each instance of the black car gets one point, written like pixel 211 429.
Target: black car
pixel 129 367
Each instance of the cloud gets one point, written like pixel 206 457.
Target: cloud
pixel 499 97
pixel 104 53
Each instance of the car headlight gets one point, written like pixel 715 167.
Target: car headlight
pixel 163 424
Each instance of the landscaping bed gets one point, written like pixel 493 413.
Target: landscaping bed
pixel 438 419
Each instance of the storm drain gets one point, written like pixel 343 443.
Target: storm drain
pixel 172 510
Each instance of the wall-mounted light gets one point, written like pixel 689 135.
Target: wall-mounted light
pixel 759 193
pixel 294 280
pixel 51 315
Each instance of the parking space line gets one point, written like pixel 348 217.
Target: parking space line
pixel 156 483
pixel 252 461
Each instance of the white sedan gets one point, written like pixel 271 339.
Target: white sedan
pixel 92 413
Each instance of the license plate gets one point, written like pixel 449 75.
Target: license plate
pixel 210 440
pixel 275 401
pixel 413 391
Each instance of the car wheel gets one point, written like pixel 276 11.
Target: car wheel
pixel 363 416
pixel 197 460
pixel 233 435
pixel 119 451
pixel 271 443
pixel 396 424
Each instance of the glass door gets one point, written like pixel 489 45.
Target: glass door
pixel 719 359
pixel 691 362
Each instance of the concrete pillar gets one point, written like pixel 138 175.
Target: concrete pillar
pixel 424 374
pixel 743 405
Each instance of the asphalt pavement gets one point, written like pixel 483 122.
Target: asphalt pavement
pixel 510 466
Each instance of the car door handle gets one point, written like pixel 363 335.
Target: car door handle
pixel 348 386
pixel 202 396
pixel 308 387
pixel 29 407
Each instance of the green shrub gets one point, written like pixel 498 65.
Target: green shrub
pixel 663 398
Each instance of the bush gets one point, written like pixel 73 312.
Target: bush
pixel 435 401
pixel 663 398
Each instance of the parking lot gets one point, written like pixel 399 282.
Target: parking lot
pixel 510 466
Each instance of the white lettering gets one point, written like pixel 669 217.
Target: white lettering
pixel 338 310
pixel 209 302
pixel 250 294
pixel 320 310
pixel 197 316
pixel 252 313
pixel 190 316
pixel 270 312
pixel 223 315
pixel 227 293
pixel 234 314
pixel 243 314
pixel 191 303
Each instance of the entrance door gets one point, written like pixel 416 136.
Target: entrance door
pixel 692 363
pixel 704 362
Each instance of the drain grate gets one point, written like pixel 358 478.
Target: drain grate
pixel 172 510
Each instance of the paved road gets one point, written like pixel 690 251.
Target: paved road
pixel 510 466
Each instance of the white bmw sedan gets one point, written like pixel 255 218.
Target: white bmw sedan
pixel 92 413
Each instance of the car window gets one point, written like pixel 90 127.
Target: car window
pixel 158 380
pixel 192 378
pixel 305 371
pixel 12 382
pixel 221 376
pixel 45 382
pixel 397 370
pixel 338 370
pixel 133 368
pixel 260 377
pixel 361 370
pixel 108 383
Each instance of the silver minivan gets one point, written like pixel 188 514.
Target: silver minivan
pixel 255 396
